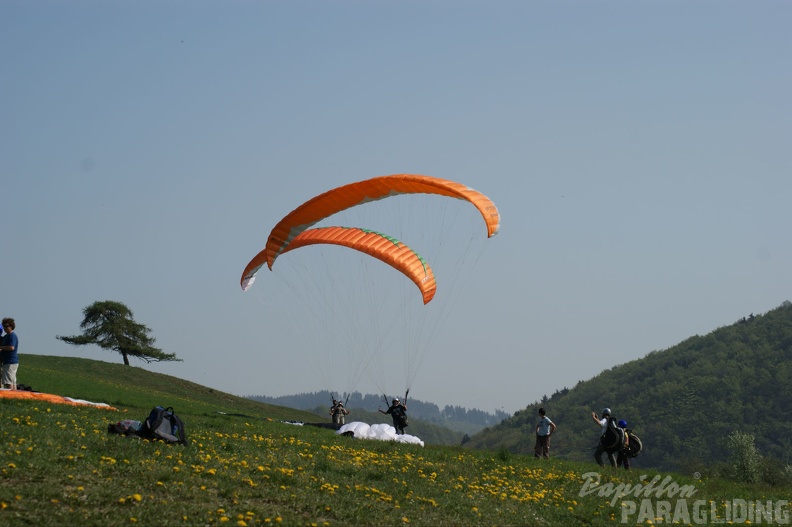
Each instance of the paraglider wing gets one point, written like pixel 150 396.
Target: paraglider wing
pixel 384 248
pixel 249 274
pixel 344 197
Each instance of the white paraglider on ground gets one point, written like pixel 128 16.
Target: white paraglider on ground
pixel 381 431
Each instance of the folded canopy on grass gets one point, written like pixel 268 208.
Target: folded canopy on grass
pixel 111 326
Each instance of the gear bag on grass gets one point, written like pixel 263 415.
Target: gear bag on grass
pixel 165 425
pixel 127 428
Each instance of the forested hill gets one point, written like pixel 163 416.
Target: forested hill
pixel 682 401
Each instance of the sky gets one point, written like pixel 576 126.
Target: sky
pixel 638 153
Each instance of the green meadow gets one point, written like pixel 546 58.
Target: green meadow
pixel 246 466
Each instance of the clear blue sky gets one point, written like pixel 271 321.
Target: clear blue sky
pixel 639 153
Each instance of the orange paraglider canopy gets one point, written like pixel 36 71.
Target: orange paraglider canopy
pixel 347 196
pixel 50 398
pixel 380 246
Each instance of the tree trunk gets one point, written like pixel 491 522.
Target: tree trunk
pixel 126 358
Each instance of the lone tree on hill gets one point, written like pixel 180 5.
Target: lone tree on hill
pixel 110 325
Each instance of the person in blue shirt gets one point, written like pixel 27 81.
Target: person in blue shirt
pixel 623 456
pixel 9 354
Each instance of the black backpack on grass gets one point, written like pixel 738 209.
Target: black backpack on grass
pixel 164 425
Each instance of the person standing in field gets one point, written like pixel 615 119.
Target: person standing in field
pixel 338 412
pixel 601 448
pixel 398 411
pixel 544 429
pixel 9 346
pixel 623 456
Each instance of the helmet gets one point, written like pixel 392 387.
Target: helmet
pixel 622 424
pixel 606 411
pixel 395 401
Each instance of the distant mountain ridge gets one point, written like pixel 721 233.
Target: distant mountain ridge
pixel 682 401
pixel 457 418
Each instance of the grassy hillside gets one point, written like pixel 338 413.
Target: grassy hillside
pixel 59 466
pixel 119 385
pixel 113 383
pixel 683 402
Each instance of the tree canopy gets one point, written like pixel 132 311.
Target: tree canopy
pixel 111 326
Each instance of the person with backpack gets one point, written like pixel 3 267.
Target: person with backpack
pixel 603 447
pixel 398 411
pixel 338 412
pixel 544 429
pixel 623 456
